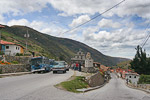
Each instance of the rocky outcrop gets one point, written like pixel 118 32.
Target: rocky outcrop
pixel 95 80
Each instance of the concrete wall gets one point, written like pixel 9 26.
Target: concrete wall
pixel 14 68
pixel 95 80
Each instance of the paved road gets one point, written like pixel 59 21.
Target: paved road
pixel 40 87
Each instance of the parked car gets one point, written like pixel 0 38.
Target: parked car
pixel 60 67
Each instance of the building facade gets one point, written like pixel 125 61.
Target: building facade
pixel 79 57
pixel 132 77
pixel 9 48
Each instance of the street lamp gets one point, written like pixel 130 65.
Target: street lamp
pixel 26 36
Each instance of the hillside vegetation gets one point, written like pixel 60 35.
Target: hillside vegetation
pixel 54 47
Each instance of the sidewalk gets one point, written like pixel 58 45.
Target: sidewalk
pixel 91 88
pixel 14 74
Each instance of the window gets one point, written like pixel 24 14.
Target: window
pixel 17 48
pixel 7 47
pixel 134 76
pixel 129 76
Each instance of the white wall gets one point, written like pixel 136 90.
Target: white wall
pixel 13 49
pixel 132 78
pixel 88 63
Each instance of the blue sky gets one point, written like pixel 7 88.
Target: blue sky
pixel 116 33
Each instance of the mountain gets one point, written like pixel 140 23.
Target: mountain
pixel 54 47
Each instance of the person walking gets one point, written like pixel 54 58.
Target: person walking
pixel 77 66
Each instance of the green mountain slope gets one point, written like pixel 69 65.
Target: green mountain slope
pixel 54 47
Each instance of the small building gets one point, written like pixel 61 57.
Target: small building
pixel 79 57
pixel 132 77
pixel 9 48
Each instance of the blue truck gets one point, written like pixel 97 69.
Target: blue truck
pixel 41 64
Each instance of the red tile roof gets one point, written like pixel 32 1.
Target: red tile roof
pixel 2 26
pixel 104 67
pixel 9 43
pixel 5 42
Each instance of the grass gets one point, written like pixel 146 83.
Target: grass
pixel 77 83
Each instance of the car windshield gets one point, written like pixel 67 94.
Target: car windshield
pixel 59 63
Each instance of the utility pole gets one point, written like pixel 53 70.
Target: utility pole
pixel 26 36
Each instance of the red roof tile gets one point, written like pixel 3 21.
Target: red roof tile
pixel 10 43
pixel 104 67
pixel 5 42
pixel 2 26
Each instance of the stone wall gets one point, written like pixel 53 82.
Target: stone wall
pixel 14 68
pixel 144 87
pixel 20 59
pixel 95 80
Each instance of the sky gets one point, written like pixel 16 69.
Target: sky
pixel 115 33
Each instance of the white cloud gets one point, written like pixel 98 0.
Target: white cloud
pixel 128 7
pixel 115 43
pixel 20 7
pixel 23 22
pixel 107 23
pixel 40 26
pixel 73 7
pixel 81 19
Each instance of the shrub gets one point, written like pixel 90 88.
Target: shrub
pixel 0 71
pixel 19 54
pixel 144 79
pixel 15 62
pixel 1 53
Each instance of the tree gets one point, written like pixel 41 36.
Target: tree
pixel 141 64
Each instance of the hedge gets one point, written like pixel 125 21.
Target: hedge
pixel 144 79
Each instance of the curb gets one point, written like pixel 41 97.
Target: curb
pixel 92 88
pixel 138 88
pixel 14 74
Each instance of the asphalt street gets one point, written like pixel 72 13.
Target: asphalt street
pixel 41 87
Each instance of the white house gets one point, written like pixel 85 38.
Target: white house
pixel 10 48
pixel 132 77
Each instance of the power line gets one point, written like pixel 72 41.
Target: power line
pixel 146 40
pixel 147 34
pixel 92 18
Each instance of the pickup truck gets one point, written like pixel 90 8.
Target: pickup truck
pixel 60 67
